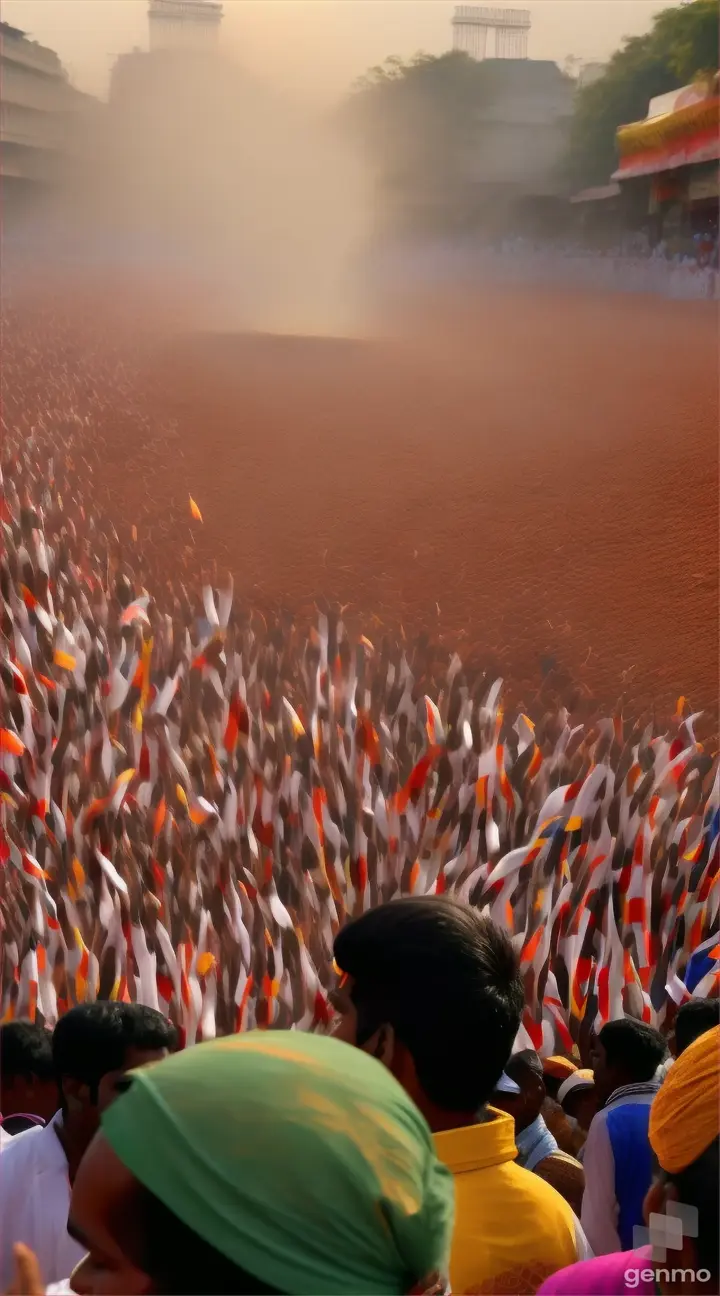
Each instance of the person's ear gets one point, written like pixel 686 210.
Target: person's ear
pixel 659 1195
pixel 534 1095
pixel 108 1089
pixel 654 1203
pixel 382 1045
pixel 76 1095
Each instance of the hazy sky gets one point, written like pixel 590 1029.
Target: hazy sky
pixel 318 46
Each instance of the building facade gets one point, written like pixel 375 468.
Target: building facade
pixel 669 166
pixel 514 152
pixel 184 24
pixel 484 32
pixel 40 113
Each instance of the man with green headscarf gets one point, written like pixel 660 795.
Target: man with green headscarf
pixel 265 1162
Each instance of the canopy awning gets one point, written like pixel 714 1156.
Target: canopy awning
pixel 600 193
pixel 685 137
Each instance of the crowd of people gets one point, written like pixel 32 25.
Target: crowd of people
pixel 213 823
pixel 406 1151
pixel 683 269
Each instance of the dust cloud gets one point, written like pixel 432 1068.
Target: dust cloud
pixel 196 174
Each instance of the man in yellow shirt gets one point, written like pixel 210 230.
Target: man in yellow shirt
pixel 432 989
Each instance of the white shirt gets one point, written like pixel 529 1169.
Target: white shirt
pixel 600 1207
pixel 34 1203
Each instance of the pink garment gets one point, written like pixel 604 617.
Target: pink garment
pixel 605 1276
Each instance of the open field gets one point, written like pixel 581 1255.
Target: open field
pixel 533 477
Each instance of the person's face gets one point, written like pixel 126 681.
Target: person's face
pixel 133 1058
pixel 587 1106
pixel 525 1106
pixel 580 1105
pixel 659 1196
pixel 103 1211
pixel 670 1019
pixel 344 1023
pixel 83 1110
pixel 512 1104
pixel 382 1044
pixel 26 1095
pixel 603 1073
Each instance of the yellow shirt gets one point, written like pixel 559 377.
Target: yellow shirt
pixel 512 1230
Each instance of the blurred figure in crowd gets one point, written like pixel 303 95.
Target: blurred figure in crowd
pixel 556 1069
pixel 432 989
pixel 684 1136
pixel 264 1162
pixel 578 1098
pixel 566 1133
pixel 27 1079
pixel 617 1161
pixel 521 1093
pixel 693 1020
pixel 92 1045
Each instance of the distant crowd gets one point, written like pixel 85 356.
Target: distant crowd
pixel 681 268
pixel 213 823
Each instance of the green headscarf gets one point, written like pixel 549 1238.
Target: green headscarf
pixel 299 1158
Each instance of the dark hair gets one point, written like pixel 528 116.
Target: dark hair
pixel 633 1047
pixel 693 1020
pixel 525 1060
pixel 447 980
pixel 697 1186
pixel 26 1050
pixel 180 1262
pixel 94 1038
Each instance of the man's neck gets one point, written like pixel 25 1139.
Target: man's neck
pixel 73 1146
pixel 441 1121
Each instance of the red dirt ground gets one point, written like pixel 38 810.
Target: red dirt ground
pixel 532 476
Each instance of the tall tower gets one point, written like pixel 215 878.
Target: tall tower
pixel 184 24
pixel 471 24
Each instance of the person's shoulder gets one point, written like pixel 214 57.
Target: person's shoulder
pixel 28 1152
pixel 564 1158
pixel 18 1161
pixel 566 1175
pixel 597 1125
pixel 540 1194
pixel 18 1145
pixel 561 1164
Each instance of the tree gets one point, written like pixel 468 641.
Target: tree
pixel 415 120
pixel 681 44
pixel 418 106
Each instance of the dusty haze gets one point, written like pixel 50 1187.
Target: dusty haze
pixel 199 174
pixel 318 47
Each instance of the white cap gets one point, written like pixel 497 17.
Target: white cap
pixel 506 1085
pixel 578 1080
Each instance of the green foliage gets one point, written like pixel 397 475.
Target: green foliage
pixel 682 43
pixel 415 116
pixel 422 126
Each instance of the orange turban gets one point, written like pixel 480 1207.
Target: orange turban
pixel 685 1116
pixel 559 1067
